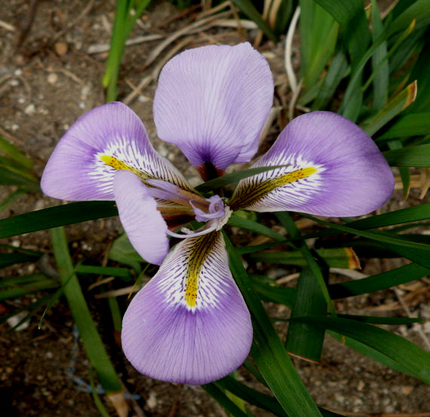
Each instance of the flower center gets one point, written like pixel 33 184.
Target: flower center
pixel 211 210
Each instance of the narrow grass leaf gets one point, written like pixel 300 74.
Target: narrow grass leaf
pixel 371 353
pixel 404 172
pixel 304 340
pixel 11 198
pixel 409 156
pixel 405 353
pixel 234 178
pixel 318 34
pixel 418 10
pixel 400 102
pixel 14 153
pixel 380 320
pixel 257 398
pixel 383 237
pixel 20 289
pixel 56 216
pixel 7 259
pixel 334 257
pixel 351 16
pixel 103 270
pixel 378 282
pixel 422 75
pixel 335 73
pixel 414 124
pixel 273 293
pixel 123 252
pixel 380 65
pixel 315 263
pixel 248 8
pixel 268 351
pixel 255 227
pixel 214 391
pixel 90 337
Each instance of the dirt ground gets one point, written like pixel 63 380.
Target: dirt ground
pixel 51 61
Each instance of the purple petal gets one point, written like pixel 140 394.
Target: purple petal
pixel 75 170
pixel 143 223
pixel 189 324
pixel 212 102
pixel 336 170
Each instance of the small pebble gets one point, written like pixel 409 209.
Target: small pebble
pixel 14 320
pixel 30 109
pixel 60 48
pixel 152 400
pixel 407 389
pixel 52 78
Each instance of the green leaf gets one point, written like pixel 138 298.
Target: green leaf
pixel 380 320
pixel 410 156
pixel 383 237
pixel 103 270
pixel 392 109
pixel 263 401
pixel 415 124
pixel 7 259
pixel 409 214
pixel 25 285
pixel 252 226
pixel 418 10
pixel 249 10
pixel 268 351
pixel 123 252
pixel 214 391
pixel 334 257
pixel 303 340
pixel 350 15
pixel 405 353
pixel 11 198
pixel 56 216
pixel 380 65
pixel 382 281
pixel 90 337
pixel 273 293
pixel 311 258
pixel 335 73
pixel 318 34
pixel 421 74
pixel 13 152
pixel 234 178
pixel 371 353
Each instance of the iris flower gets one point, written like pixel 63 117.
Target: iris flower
pixel 190 324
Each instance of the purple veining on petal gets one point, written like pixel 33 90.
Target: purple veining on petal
pixel 143 223
pixel 212 102
pixel 75 170
pixel 165 338
pixel 352 177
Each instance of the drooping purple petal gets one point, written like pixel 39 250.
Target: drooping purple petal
pixel 143 223
pixel 334 169
pixel 212 102
pixel 189 324
pixel 76 170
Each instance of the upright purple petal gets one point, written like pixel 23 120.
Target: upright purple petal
pixel 189 324
pixel 212 102
pixel 334 169
pixel 107 138
pixel 143 223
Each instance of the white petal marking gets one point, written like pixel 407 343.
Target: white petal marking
pixel 199 273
